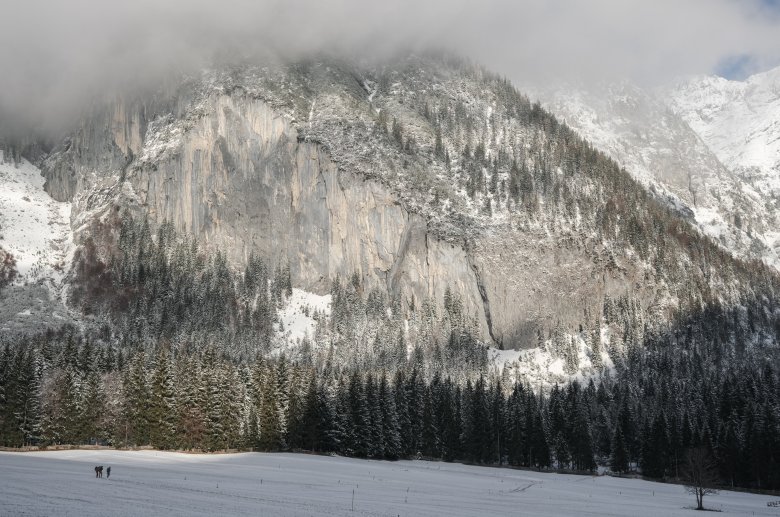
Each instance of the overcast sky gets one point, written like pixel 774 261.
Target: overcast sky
pixel 57 55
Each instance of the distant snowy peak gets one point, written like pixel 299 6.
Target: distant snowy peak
pixel 673 157
pixel 739 120
pixel 637 129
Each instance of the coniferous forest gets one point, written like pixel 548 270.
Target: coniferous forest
pixel 61 389
pixel 188 363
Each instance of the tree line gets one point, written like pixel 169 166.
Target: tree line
pixel 657 404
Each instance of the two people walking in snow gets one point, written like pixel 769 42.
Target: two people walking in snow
pixel 99 472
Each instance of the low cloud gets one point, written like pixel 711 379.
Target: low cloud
pixel 56 57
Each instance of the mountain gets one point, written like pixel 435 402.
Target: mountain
pixel 737 119
pixel 420 175
pixel 389 259
pixel 424 182
pixel 740 122
pixel 657 144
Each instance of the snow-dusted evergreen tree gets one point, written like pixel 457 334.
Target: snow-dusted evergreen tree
pixel 282 395
pixel 270 411
pixel 390 425
pixel 376 434
pixel 358 434
pixel 136 396
pixel 231 398
pixel 213 380
pixel 619 460
pixel 93 409
pixel 191 399
pixel 162 402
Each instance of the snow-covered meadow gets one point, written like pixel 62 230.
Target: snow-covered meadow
pixel 164 483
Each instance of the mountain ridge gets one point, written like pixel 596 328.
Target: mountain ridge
pixel 475 166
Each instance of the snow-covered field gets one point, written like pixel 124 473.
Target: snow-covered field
pixel 160 483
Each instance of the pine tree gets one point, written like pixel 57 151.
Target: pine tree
pixel 270 424
pixel 309 429
pixel 162 403
pixel 191 397
pixel 252 431
pixel 376 437
pixel 136 396
pixel 619 460
pixel 295 411
pixel 429 445
pixel 213 384
pixel 358 437
pixel 24 396
pixel 595 345
pixel 397 133
pixel 231 406
pixel 583 446
pixel 93 409
pixel 392 433
pixel 402 409
pixel 656 448
pixel 438 148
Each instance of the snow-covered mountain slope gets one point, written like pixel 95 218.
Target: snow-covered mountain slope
pixel 299 317
pixel 740 122
pixel 542 367
pixel 35 230
pixel 637 128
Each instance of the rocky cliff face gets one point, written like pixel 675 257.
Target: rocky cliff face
pixel 301 165
pixel 240 180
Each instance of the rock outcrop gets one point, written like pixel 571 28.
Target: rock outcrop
pixel 293 167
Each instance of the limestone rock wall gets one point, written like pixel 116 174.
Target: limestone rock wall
pixel 243 183
pixel 238 177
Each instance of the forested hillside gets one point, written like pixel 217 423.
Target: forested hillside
pixel 443 216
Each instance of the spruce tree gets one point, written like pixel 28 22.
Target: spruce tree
pixel 270 425
pixel 390 425
pixel 162 403
pixel 136 401
pixel 93 409
pixel 655 449
pixel 358 437
pixel 619 460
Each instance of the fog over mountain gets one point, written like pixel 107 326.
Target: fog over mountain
pixel 56 57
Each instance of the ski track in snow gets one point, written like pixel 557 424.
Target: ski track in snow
pixel 166 483
pixel 35 228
